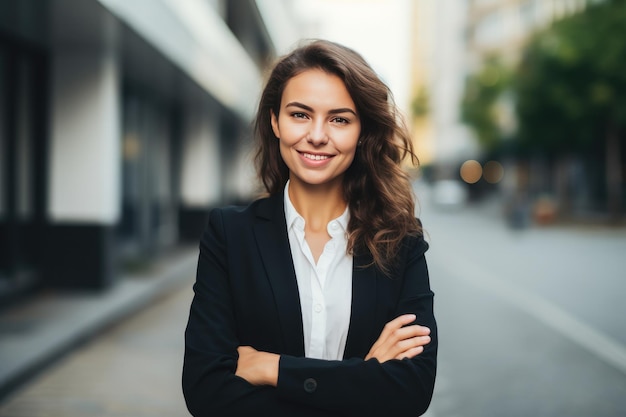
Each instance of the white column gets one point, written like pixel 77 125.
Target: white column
pixel 84 180
pixel 243 178
pixel 201 171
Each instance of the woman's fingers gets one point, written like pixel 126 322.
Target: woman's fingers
pixel 388 330
pixel 398 323
pixel 398 340
pixel 409 354
pixel 391 327
pixel 405 346
pixel 408 337
pixel 408 344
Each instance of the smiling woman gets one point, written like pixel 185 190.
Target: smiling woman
pixel 315 300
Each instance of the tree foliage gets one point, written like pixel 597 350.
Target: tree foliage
pixel 570 87
pixel 482 104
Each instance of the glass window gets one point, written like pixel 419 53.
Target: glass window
pixel 148 205
pixel 132 151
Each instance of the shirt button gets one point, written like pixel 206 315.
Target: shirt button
pixel 334 225
pixel 318 308
pixel 310 385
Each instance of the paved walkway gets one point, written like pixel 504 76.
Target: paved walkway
pixel 132 367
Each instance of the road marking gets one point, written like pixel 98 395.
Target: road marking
pixel 600 344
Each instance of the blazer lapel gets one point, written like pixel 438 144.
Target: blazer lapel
pixel 270 231
pixel 363 314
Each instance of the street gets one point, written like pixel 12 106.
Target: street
pixel 531 323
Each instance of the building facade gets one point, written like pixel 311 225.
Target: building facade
pixel 121 124
pixel 439 69
pixel 504 26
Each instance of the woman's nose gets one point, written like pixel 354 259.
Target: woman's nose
pixel 317 135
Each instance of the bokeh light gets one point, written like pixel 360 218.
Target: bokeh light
pixel 493 172
pixel 471 171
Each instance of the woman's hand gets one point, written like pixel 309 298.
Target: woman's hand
pixel 398 342
pixel 256 367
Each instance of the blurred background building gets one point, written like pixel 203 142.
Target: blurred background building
pixel 438 74
pixel 121 123
pixel 504 26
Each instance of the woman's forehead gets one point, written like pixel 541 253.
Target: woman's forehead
pixel 316 87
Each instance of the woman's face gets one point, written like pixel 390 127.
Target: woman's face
pixel 318 128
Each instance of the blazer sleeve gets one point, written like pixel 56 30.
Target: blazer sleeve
pixel 358 387
pixel 209 383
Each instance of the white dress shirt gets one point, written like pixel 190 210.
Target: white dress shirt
pixel 325 287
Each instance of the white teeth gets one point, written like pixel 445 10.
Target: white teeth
pixel 315 157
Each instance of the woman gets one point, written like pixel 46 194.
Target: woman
pixel 315 301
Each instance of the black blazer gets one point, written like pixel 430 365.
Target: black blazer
pixel 246 294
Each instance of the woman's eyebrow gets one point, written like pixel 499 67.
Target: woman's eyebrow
pixel 310 109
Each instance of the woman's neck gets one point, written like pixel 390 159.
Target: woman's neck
pixel 317 204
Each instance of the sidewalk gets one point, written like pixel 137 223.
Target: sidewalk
pixel 34 334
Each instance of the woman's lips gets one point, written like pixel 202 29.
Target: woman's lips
pixel 315 159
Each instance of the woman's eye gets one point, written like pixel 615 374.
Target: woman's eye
pixel 298 115
pixel 340 120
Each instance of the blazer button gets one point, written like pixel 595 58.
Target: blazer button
pixel 310 385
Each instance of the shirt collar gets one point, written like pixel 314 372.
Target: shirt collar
pixel 344 218
pixel 291 215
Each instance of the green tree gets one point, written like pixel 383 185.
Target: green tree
pixel 570 91
pixel 484 103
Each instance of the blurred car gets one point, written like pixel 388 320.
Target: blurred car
pixel 449 193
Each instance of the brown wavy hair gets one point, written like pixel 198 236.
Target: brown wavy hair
pixel 377 189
